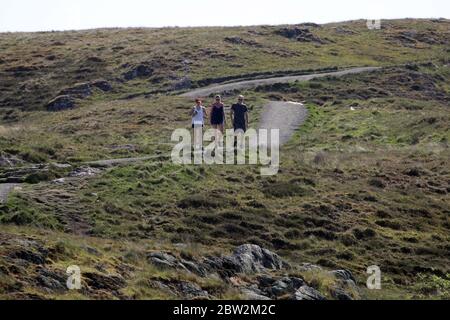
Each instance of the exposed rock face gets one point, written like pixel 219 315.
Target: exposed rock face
pixel 240 41
pixel 139 71
pixel 299 34
pixel 102 85
pixel 66 98
pixel 8 160
pixel 308 293
pixel 166 260
pixel 98 281
pixel 61 103
pixel 247 259
pixel 182 84
pixel 259 265
pixel 345 288
pixel 252 258
pixel 412 37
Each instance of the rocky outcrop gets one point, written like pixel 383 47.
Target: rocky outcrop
pixel 165 260
pixel 67 97
pixel 103 85
pixel 7 160
pixel 300 34
pixel 308 293
pixel 240 41
pixel 254 271
pixel 249 258
pixel 139 71
pixel 61 103
pixel 246 259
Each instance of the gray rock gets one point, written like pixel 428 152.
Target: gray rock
pixel 165 260
pixel 84 171
pixel 299 34
pixel 343 275
pixel 51 280
pixel 194 268
pixel 252 258
pixel 279 287
pixel 99 281
pixel 250 294
pixel 182 84
pixel 191 290
pixel 340 294
pixel 61 103
pixel 308 293
pixel 162 260
pixel 8 160
pixel 102 85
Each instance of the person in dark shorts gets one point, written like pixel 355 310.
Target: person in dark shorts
pixel 239 115
pixel 217 115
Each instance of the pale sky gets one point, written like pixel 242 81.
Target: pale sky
pixel 45 15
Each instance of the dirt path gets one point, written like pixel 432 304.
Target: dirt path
pixel 285 116
pixel 220 88
pixel 114 162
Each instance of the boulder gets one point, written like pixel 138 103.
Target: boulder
pixel 165 260
pixel 308 293
pixel 340 294
pixel 191 290
pixel 99 281
pixel 253 294
pixel 344 275
pixel 276 288
pixel 299 34
pixel 102 85
pixel 8 160
pixel 61 103
pixel 252 258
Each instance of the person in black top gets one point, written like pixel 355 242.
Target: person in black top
pixel 239 115
pixel 217 115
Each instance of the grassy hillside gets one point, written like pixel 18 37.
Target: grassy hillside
pixel 364 182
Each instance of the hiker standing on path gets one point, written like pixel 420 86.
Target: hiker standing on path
pixel 217 115
pixel 239 115
pixel 198 114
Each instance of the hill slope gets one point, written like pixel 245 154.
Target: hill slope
pixel 365 181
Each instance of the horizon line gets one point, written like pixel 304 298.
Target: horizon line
pixel 215 26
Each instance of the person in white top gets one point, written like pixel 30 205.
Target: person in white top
pixel 198 115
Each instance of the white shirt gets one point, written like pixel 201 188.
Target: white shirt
pixel 198 117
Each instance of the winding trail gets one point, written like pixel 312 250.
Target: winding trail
pixel 241 85
pixel 285 116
